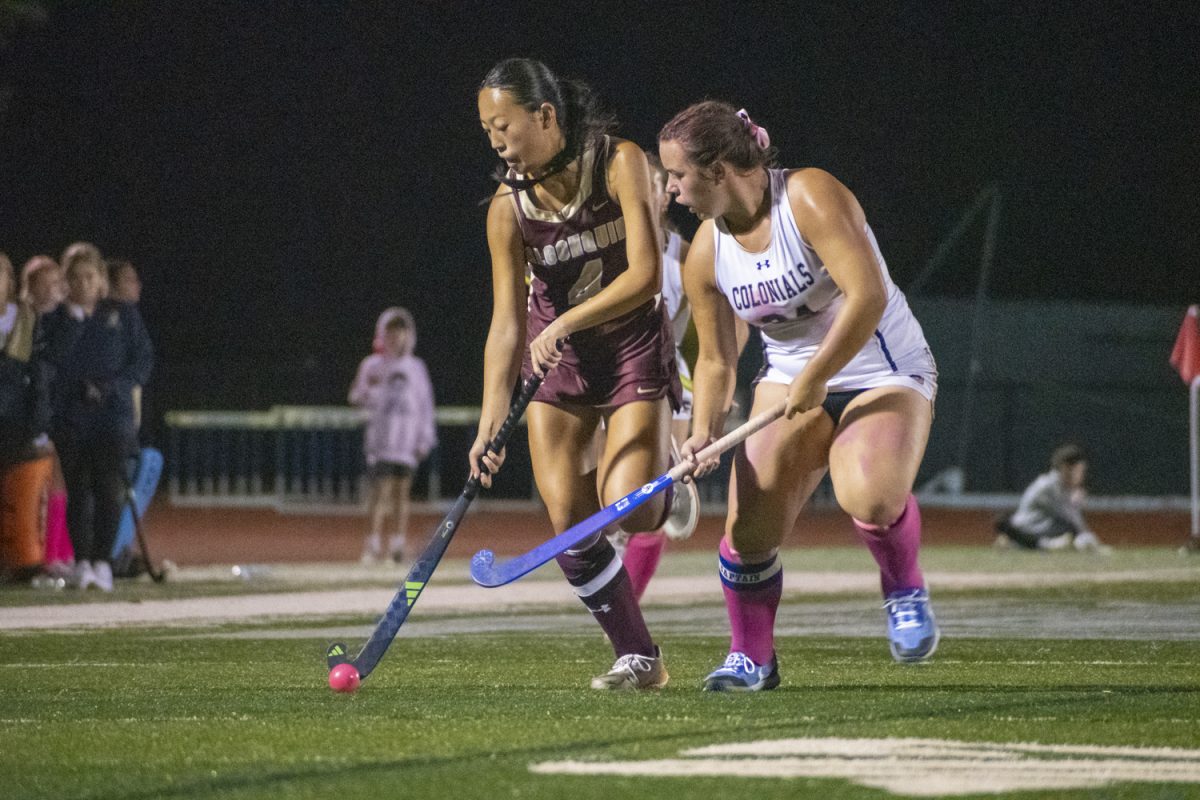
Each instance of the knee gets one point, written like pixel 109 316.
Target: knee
pixel 648 516
pixel 750 538
pixel 560 516
pixel 876 512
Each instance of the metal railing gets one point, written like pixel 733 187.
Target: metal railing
pixel 304 459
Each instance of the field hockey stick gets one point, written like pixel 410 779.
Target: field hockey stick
pixel 487 573
pixel 156 575
pixel 414 583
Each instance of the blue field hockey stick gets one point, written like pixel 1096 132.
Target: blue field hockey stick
pixel 414 583
pixel 486 572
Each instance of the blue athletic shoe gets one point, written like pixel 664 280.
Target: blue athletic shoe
pixel 740 674
pixel 912 630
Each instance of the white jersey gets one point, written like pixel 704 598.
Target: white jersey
pixel 786 292
pixel 680 313
pixel 673 296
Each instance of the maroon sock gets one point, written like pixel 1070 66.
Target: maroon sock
pixel 600 580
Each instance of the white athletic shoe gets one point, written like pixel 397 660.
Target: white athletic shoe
pixel 633 672
pixel 61 569
pixel 1089 542
pixel 83 577
pixel 1060 542
pixel 396 545
pixel 372 550
pixel 102 572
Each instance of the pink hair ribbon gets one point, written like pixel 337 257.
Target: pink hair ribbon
pixel 759 133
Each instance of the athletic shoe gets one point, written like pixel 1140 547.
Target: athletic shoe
pixel 1089 542
pixel 632 672
pixel 61 569
pixel 912 630
pixel 740 674
pixel 396 546
pixel 685 506
pixel 1060 542
pixel 83 577
pixel 103 574
pixel 372 550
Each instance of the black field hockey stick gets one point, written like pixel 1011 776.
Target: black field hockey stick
pixel 486 572
pixel 414 583
pixel 156 575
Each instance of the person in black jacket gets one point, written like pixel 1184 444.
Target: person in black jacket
pixel 100 351
pixel 25 454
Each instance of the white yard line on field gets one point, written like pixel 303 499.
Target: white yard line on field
pixel 460 598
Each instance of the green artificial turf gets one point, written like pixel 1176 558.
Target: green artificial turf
pixel 179 713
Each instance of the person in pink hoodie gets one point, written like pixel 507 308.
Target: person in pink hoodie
pixel 393 386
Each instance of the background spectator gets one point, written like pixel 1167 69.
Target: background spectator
pixel 101 351
pixel 42 284
pixel 123 281
pixel 25 463
pixel 1049 516
pixel 44 287
pixel 394 386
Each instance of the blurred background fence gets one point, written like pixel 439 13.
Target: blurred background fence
pixel 1016 379
pixel 1044 373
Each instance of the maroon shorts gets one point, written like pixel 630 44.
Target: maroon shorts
pixel 629 359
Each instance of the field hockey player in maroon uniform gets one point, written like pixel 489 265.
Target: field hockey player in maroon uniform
pixel 574 209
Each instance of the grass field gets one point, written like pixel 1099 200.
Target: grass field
pixel 1087 687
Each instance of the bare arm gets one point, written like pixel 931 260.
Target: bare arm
pixel 506 334
pixel 629 186
pixel 832 221
pixel 717 332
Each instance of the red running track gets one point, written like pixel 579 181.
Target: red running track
pixel 192 537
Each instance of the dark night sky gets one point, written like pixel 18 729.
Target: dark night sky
pixel 282 171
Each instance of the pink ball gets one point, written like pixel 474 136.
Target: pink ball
pixel 344 678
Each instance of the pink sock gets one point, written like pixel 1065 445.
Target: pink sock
pixel 895 549
pixel 58 543
pixel 642 553
pixel 752 593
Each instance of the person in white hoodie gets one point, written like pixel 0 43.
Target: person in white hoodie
pixel 393 386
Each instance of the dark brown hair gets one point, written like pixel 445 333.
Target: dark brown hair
pixel 712 131
pixel 1067 455
pixel 115 265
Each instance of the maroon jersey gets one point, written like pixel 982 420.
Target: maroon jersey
pixel 572 254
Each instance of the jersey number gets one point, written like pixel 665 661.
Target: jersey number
pixel 589 282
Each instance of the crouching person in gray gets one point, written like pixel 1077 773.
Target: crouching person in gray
pixel 1048 516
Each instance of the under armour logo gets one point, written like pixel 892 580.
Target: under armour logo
pixel 604 609
pixel 764 264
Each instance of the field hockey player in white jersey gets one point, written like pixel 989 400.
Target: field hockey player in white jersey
pixel 790 252
pixel 641 551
